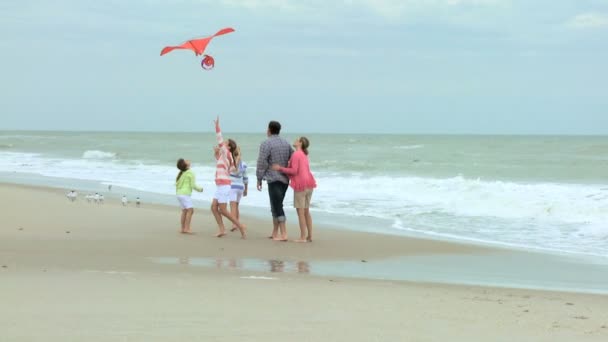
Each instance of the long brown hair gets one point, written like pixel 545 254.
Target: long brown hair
pixel 182 166
pixel 305 144
pixel 236 153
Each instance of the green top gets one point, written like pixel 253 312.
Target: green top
pixel 186 183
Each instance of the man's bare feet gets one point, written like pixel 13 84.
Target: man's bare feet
pixel 281 239
pixel 301 240
pixel 220 234
pixel 189 232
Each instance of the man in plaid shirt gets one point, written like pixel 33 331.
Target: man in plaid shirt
pixel 275 150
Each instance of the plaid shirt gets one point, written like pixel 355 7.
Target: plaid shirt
pixel 275 150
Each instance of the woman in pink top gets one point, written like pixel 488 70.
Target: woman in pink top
pixel 224 163
pixel 303 182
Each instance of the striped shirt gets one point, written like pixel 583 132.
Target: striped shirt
pixel 239 177
pixel 223 160
pixel 275 150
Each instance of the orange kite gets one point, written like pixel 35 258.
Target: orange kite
pixel 197 45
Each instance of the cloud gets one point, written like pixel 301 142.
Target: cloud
pixel 288 5
pixel 385 8
pixel 588 21
pixel 398 8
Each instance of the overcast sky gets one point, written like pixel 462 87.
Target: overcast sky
pixel 409 66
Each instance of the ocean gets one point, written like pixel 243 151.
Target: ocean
pixel 544 193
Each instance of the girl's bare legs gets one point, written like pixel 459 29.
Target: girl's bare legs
pixel 183 220
pixel 189 213
pixel 223 209
pixel 218 218
pixel 308 224
pixel 234 210
pixel 302 222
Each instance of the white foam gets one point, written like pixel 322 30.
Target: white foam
pixel 599 231
pixel 96 154
pixel 385 196
pixel 408 147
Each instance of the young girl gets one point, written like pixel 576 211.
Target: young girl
pixel 184 184
pixel 303 183
pixel 224 163
pixel 239 181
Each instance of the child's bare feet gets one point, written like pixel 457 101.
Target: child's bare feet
pixel 220 234
pixel 301 240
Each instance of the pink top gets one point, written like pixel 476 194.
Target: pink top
pixel 299 172
pixel 223 160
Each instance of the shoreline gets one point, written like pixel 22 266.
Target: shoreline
pixel 328 220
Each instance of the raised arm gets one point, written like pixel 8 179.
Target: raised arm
pixel 218 132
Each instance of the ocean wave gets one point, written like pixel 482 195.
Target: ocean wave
pixel 548 202
pixel 96 154
pixel 408 147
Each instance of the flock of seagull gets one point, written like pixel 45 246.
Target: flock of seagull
pixel 99 198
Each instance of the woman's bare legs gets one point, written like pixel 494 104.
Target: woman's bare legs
pixel 223 210
pixel 302 221
pixel 308 224
pixel 234 210
pixel 218 218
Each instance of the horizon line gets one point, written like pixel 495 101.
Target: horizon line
pixel 322 133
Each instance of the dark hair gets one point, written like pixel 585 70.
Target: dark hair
pixel 274 127
pixel 234 150
pixel 182 166
pixel 305 144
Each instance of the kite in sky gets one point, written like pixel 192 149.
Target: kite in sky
pixel 199 46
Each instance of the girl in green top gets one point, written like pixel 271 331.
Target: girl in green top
pixel 184 184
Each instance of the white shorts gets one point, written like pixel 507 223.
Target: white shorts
pixel 185 201
pixel 236 195
pixel 222 194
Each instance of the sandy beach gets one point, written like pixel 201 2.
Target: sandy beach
pixel 84 272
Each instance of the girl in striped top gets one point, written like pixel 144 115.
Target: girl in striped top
pixel 239 179
pixel 224 163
